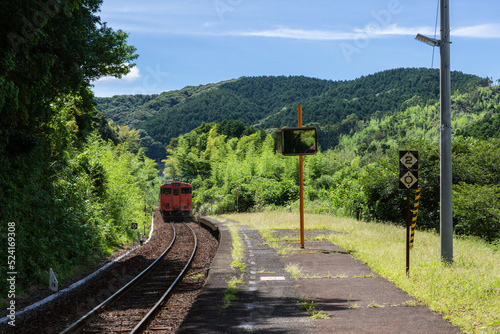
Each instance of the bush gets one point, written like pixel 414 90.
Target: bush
pixel 383 201
pixel 477 210
pixel 75 211
pixel 272 192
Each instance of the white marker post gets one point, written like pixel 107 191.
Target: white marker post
pixel 53 284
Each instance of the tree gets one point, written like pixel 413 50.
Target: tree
pixel 49 50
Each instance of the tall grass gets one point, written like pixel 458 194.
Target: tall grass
pixel 238 249
pixel 466 292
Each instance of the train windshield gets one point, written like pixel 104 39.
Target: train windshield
pixel 176 192
pixel 185 190
pixel 166 191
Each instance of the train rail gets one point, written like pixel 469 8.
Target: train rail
pixel 132 308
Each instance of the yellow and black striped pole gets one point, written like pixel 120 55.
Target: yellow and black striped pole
pixel 415 214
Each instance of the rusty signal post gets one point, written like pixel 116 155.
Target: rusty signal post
pixel 408 179
pixel 298 141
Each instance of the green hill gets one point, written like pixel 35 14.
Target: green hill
pixel 366 121
pixel 336 107
pixel 359 177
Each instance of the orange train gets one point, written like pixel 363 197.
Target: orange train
pixel 175 199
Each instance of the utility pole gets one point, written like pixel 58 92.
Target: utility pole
pixel 446 212
pixel 446 209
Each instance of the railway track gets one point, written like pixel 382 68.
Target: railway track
pixel 132 308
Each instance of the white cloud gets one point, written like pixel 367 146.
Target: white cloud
pixel 373 30
pixel 393 29
pixel 299 34
pixel 491 30
pixel 133 75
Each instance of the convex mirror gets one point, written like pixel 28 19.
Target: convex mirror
pixel 297 141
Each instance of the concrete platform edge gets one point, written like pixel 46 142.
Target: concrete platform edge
pixel 219 273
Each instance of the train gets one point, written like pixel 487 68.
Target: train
pixel 176 199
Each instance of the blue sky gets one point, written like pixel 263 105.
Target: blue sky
pixel 193 42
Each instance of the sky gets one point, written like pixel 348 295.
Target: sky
pixel 196 42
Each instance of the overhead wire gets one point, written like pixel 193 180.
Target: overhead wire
pixel 435 33
pixel 433 49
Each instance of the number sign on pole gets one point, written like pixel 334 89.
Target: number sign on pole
pixel 408 179
pixel 408 169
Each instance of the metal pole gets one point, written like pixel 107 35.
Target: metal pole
pixel 301 188
pixel 446 212
pixel 407 232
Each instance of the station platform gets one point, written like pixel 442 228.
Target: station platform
pixel 343 293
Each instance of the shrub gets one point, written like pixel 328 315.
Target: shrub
pixel 477 210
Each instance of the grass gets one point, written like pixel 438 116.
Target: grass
pixel 312 309
pixel 230 291
pixel 195 276
pixel 353 305
pixel 410 303
pixel 364 276
pixel 297 273
pixel 466 292
pixel 294 271
pixel 238 251
pixel 373 305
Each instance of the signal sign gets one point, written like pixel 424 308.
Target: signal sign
pixel 408 179
pixel 408 169
pixel 134 226
pixel 408 160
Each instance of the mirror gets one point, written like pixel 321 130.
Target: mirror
pixel 297 141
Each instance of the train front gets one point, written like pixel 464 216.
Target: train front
pixel 175 199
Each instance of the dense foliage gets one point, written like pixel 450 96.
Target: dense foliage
pixel 70 182
pixel 48 50
pixel 360 177
pixel 335 107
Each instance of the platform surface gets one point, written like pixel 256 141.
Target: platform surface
pixel 351 297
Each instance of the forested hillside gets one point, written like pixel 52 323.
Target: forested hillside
pixel 360 177
pixel 335 107
pixel 70 183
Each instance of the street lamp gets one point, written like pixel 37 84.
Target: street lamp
pixel 427 40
